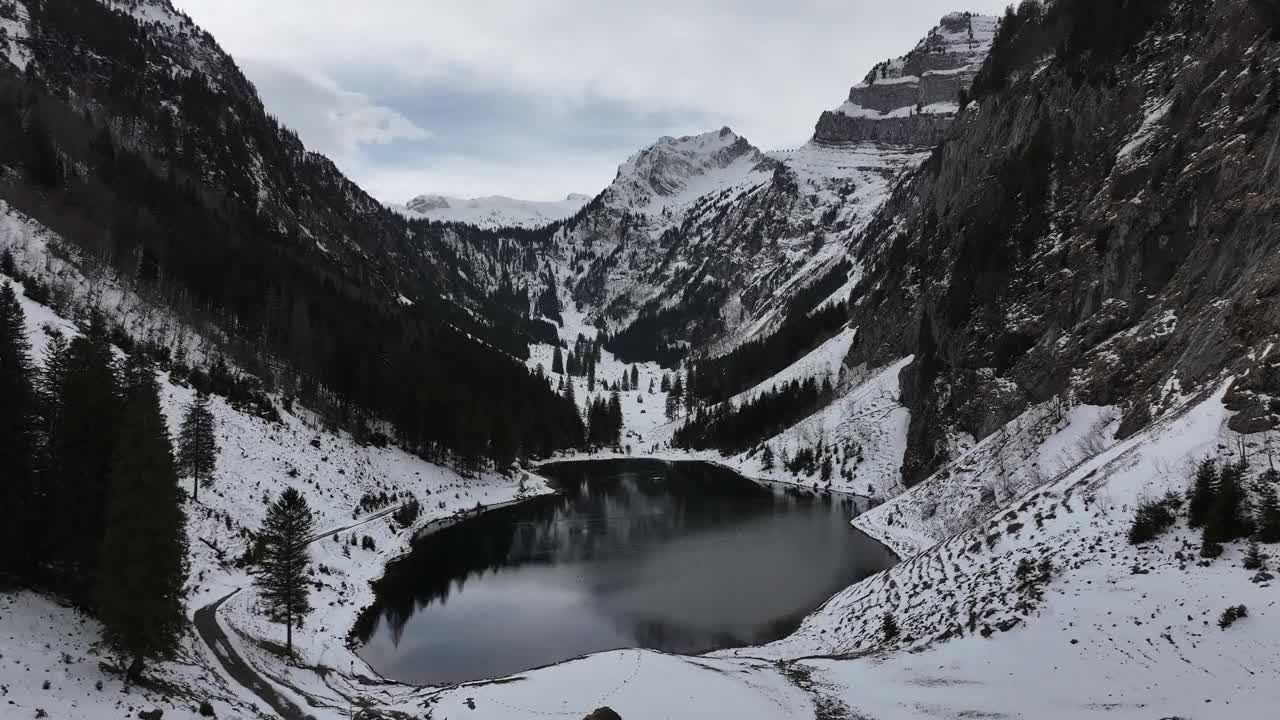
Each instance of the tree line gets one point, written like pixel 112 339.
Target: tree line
pixel 221 214
pixel 91 490
pixel 91 496
pixel 714 380
pixel 733 429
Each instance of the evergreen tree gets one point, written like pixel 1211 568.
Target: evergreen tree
pixel 615 419
pixel 766 458
pixel 591 374
pixel 1202 492
pixel 569 393
pixel 198 444
pixel 635 378
pixel 1254 558
pixel 675 398
pixel 282 581
pixel 82 451
pixel 889 627
pixel 1269 507
pixel 17 439
pixel 557 362
pixel 1228 517
pixel 143 554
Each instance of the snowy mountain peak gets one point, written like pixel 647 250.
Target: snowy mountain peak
pixel 675 171
pixel 494 211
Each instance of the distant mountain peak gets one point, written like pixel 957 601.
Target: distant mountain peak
pixel 676 170
pixel 493 211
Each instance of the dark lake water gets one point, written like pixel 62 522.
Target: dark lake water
pixel 680 557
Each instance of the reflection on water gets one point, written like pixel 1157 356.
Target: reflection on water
pixel 683 557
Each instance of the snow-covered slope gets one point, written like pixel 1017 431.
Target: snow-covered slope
pixel 48 643
pixel 494 211
pixel 670 175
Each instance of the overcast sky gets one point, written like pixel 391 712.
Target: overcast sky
pixel 540 98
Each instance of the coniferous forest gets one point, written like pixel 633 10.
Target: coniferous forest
pixel 716 379
pixel 91 488
pixel 176 210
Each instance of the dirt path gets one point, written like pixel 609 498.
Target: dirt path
pixel 206 622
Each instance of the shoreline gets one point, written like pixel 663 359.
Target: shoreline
pixel 441 523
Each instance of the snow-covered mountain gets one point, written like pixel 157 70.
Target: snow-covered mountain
pixel 494 211
pixel 1061 299
pixel 667 177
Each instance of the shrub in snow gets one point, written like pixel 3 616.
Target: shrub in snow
pixel 1231 614
pixel 1152 518
pixel 1210 549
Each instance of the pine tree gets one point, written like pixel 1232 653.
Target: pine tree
pixel 143 554
pixel 675 398
pixel 1202 492
pixel 17 440
pixel 82 452
pixel 766 458
pixel 569 393
pixel 635 378
pixel 889 627
pixel 283 579
pixel 557 362
pixel 1229 517
pixel 1269 507
pixel 615 419
pixel 198 444
pixel 1254 558
pixel 591 374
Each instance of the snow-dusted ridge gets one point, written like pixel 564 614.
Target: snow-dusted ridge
pixel 493 211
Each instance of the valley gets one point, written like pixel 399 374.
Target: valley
pixel 966 407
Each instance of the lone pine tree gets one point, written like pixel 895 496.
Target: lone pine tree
pixel 282 581
pixel 143 563
pixel 198 444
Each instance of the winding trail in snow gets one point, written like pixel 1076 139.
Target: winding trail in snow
pixel 206 623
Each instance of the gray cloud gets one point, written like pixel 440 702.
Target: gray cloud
pixel 537 99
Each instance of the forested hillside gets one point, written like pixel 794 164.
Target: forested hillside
pixel 145 148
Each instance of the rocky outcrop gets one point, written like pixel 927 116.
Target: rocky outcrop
pixel 928 80
pixel 887 95
pixel 1096 227
pixel 923 130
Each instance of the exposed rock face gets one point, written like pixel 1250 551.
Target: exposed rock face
pixel 920 130
pixel 887 95
pixel 1096 229
pixel 926 80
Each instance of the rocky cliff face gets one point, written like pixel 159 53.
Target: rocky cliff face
pixel 911 99
pixel 1100 224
